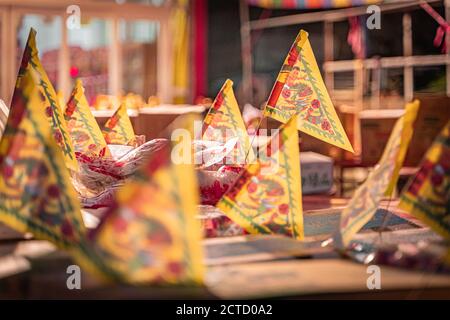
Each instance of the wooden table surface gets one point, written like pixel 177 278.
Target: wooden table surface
pixel 243 266
pixel 249 267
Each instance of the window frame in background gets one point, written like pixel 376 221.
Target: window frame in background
pixel 12 10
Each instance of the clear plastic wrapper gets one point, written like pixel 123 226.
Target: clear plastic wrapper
pixel 252 117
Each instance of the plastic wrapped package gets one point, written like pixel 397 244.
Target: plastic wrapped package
pixel 96 173
pixel 215 224
pixel 423 256
pixel 98 177
pixel 136 157
pixel 214 184
pixel 102 200
pixel 211 155
pixel 119 150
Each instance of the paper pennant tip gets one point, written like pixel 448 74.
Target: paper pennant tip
pixel 35 188
pixel 150 235
pixel 381 180
pixel 86 135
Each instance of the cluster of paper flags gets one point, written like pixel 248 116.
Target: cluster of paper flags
pixel 150 234
pixel 267 197
pixel 266 201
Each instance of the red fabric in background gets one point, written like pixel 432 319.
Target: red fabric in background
pixel 199 10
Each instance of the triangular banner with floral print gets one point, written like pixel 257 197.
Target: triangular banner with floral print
pixel 381 180
pixel 119 129
pixel 427 195
pixel 52 108
pixel 224 122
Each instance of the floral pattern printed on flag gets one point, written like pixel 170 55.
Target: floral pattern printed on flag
pixel 224 121
pixel 427 196
pixel 86 135
pixel 118 129
pixel 299 89
pixel 266 198
pixel 52 108
pixel 150 235
pixel 35 188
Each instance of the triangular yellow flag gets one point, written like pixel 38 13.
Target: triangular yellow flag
pixel 427 195
pixel 224 121
pixel 299 89
pixel 381 181
pixel 35 189
pixel 151 234
pixel 52 108
pixel 86 135
pixel 267 197
pixel 118 129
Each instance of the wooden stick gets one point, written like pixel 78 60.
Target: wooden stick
pixel 246 53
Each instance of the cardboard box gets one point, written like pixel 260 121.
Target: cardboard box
pixel 317 173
